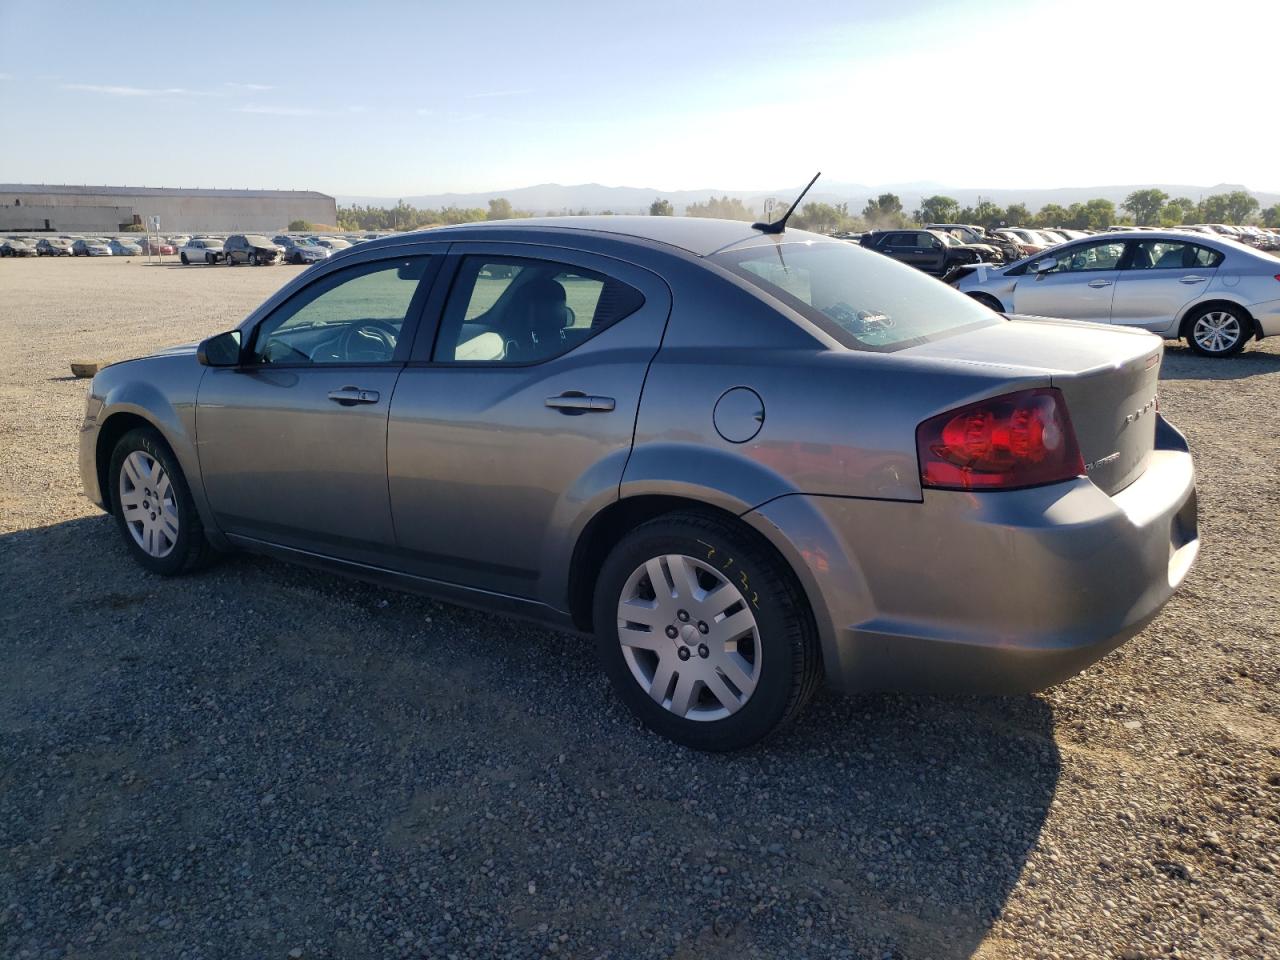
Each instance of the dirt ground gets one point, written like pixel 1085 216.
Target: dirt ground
pixel 265 761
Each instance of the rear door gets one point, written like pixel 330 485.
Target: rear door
pixel 1080 286
pixel 519 418
pixel 1161 277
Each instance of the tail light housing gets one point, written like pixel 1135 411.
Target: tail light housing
pixel 1017 440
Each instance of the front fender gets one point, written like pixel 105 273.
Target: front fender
pixel 162 391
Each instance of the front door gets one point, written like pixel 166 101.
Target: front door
pixel 1079 287
pixel 520 420
pixel 293 442
pixel 1162 277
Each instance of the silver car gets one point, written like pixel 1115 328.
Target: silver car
pixel 1213 292
pixel 201 250
pixel 90 247
pixel 300 250
pixel 744 460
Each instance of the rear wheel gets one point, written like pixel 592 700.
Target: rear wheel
pixel 703 632
pixel 153 506
pixel 1217 331
pixel 253 259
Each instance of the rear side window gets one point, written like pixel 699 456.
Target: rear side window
pixel 520 311
pixel 862 300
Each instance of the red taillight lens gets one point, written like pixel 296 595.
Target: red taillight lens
pixel 1022 439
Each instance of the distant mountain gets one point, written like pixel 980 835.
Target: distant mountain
pixel 553 197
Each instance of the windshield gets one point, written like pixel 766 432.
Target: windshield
pixel 948 239
pixel 861 299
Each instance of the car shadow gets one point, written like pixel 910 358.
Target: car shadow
pixel 191 266
pixel 1181 363
pixel 478 758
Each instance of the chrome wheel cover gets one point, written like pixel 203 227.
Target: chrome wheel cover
pixel 148 504
pixel 689 638
pixel 1217 331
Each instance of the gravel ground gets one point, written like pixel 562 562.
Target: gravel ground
pixel 262 761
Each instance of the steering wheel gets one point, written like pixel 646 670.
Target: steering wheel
pixel 369 341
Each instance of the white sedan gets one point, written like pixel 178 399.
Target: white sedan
pixel 1214 293
pixel 201 250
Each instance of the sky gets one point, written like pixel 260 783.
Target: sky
pixel 397 99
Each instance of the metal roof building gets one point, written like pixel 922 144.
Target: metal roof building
pixel 41 207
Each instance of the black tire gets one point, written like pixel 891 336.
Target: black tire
pixel 253 259
pixel 297 259
pixel 988 301
pixel 791 662
pixel 192 549
pixel 185 261
pixel 1243 329
pixel 210 260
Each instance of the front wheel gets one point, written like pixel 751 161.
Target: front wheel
pixel 185 261
pixel 704 633
pixel 1217 331
pixel 988 301
pixel 153 506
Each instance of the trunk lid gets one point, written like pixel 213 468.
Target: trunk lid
pixel 1107 375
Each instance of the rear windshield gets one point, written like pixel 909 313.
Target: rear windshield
pixel 864 300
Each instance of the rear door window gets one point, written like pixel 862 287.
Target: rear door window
pixel 519 311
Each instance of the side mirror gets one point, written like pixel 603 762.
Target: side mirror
pixel 1044 266
pixel 937 244
pixel 222 350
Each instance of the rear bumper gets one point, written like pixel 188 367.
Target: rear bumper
pixel 1267 315
pixel 989 592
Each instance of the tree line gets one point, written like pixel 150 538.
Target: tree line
pixel 1149 207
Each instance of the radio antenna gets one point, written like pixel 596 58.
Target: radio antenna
pixel 781 223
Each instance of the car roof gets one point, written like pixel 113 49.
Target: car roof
pixel 700 236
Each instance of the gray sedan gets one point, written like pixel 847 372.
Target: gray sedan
pixel 743 460
pixel 1213 292
pixel 300 250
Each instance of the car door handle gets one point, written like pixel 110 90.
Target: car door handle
pixel 350 396
pixel 1193 279
pixel 574 402
pixel 1099 283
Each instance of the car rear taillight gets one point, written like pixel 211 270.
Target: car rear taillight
pixel 1022 439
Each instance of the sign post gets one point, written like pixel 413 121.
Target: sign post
pixel 154 243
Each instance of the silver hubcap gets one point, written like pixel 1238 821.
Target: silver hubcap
pixel 147 501
pixel 1217 331
pixel 689 637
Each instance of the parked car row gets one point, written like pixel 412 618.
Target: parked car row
pixel 208 249
pixel 934 251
